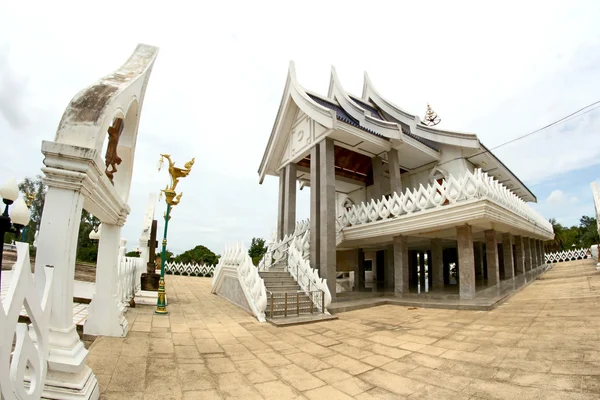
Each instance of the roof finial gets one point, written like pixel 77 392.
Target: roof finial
pixel 431 118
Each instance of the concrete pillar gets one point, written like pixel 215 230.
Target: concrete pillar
pixel 538 253
pixel 359 274
pixel 437 264
pixel 534 256
pixel 105 311
pixel 519 255
pixel 395 179
pixel 542 244
pixel 491 254
pixel 422 270
pixel 315 210
pixel 289 215
pixel 327 250
pixel 377 191
pixel 507 249
pixel 280 204
pixel 478 248
pixel 527 248
pixel 466 261
pixel 57 246
pixel 400 265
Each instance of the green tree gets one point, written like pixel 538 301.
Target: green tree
pixel 87 249
pixel 198 255
pixel 588 231
pixel 257 250
pixel 35 187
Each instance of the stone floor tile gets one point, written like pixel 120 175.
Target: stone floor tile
pixel 297 377
pixel 195 377
pixel 129 375
pixel 440 378
pixel 234 384
pixel 122 396
pixel 326 392
pixel 350 365
pixel 307 362
pixel 276 390
pixel 202 395
pixel 377 360
pixel 352 386
pixel 333 375
pixel 391 382
pixel 501 391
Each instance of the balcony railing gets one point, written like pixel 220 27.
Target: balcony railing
pixel 476 185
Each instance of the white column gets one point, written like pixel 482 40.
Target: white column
pixel 395 179
pixel 315 210
pixel 437 264
pixel 507 249
pixel 280 204
pixel 377 191
pixel 491 253
pixel 68 374
pixel 106 314
pixel 289 214
pixel 328 263
pixel 466 261
pixel 401 266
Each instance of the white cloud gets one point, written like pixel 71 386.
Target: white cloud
pixel 558 197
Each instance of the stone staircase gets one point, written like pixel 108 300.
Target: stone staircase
pixel 284 295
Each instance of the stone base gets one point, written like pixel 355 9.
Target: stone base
pixel 106 318
pixel 148 298
pixel 66 386
pixel 150 282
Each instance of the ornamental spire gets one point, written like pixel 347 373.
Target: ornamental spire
pixel 431 118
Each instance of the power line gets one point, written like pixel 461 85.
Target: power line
pixel 546 127
pixel 558 121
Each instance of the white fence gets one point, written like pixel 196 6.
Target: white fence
pixel 23 370
pixel 452 190
pixel 174 268
pixel 568 255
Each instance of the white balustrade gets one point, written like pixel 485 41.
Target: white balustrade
pixel 175 268
pixel 235 260
pixel 278 250
pixel 23 370
pixel 476 185
pixel 307 277
pixel 568 255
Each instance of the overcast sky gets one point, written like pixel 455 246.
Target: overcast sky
pixel 498 70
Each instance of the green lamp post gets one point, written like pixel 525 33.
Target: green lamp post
pixel 172 199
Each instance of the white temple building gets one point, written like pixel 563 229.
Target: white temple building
pixel 407 209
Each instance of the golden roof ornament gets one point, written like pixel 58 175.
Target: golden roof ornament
pixel 431 118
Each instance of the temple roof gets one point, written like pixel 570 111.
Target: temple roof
pixel 371 113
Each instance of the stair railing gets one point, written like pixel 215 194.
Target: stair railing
pixel 279 250
pixel 315 297
pixel 307 277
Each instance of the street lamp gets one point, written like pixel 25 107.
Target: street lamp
pixel 172 199
pixel 19 215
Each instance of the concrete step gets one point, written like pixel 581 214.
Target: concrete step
pixel 283 288
pixel 283 274
pixel 278 278
pixel 281 283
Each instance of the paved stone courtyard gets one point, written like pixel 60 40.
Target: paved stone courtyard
pixel 543 343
